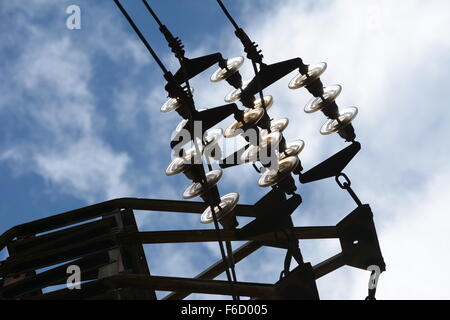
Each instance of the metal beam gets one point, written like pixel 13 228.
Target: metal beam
pixel 329 265
pixel 61 238
pixel 58 275
pixel 198 286
pixel 43 259
pixel 218 268
pixel 91 212
pixel 218 287
pixel 184 236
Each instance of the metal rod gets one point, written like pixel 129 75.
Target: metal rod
pixel 231 261
pixel 198 286
pixel 329 265
pixel 354 197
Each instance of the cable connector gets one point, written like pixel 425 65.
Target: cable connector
pixel 175 44
pixel 250 47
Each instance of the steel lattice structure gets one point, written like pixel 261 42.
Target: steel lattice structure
pixel 104 239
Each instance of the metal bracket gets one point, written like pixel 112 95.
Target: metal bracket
pixel 299 284
pixel 359 241
pixel 333 166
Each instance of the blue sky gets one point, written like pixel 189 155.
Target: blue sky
pixel 80 122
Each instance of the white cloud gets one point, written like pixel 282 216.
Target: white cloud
pixel 416 240
pixel 88 168
pixel 3 254
pixel 63 116
pixel 52 96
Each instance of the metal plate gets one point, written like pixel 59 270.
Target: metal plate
pixel 293 149
pixel 314 72
pixel 251 118
pixel 272 177
pixel 269 140
pixel 279 125
pixel 172 104
pixel 345 118
pixel 197 189
pixel 235 95
pixel 227 204
pixel 330 94
pixel 233 65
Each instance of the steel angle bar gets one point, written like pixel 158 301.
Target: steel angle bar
pixel 218 287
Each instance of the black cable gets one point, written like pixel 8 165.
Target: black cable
pixel 231 262
pixel 141 36
pixel 174 43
